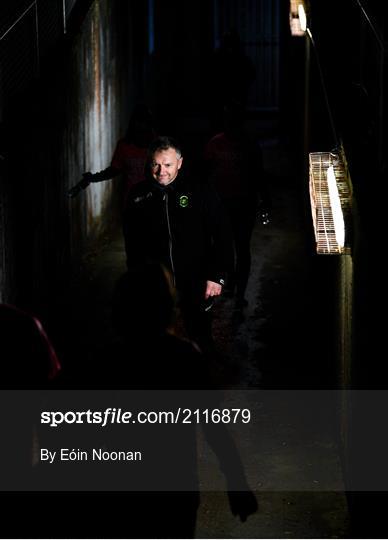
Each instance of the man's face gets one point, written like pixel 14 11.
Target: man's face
pixel 165 166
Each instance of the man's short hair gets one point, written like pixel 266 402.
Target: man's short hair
pixel 164 143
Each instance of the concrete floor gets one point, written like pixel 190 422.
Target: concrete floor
pixel 270 345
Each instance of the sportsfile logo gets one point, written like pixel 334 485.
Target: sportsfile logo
pixel 103 418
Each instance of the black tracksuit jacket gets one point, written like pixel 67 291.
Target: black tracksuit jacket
pixel 183 226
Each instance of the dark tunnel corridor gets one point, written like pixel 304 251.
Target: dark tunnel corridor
pixel 301 347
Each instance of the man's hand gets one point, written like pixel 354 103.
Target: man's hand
pixel 212 289
pixel 86 179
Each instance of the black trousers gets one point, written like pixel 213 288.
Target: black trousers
pixel 196 313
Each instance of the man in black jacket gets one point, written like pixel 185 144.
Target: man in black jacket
pixel 180 223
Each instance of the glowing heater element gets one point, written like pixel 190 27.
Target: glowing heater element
pixel 302 18
pixel 330 198
pixel 338 217
pixel 298 19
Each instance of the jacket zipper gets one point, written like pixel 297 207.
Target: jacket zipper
pixel 169 237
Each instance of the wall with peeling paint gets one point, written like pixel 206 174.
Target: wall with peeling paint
pixel 96 118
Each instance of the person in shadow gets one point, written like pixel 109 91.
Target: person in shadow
pixel 29 360
pixel 234 164
pixel 148 356
pixel 29 364
pixel 129 158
